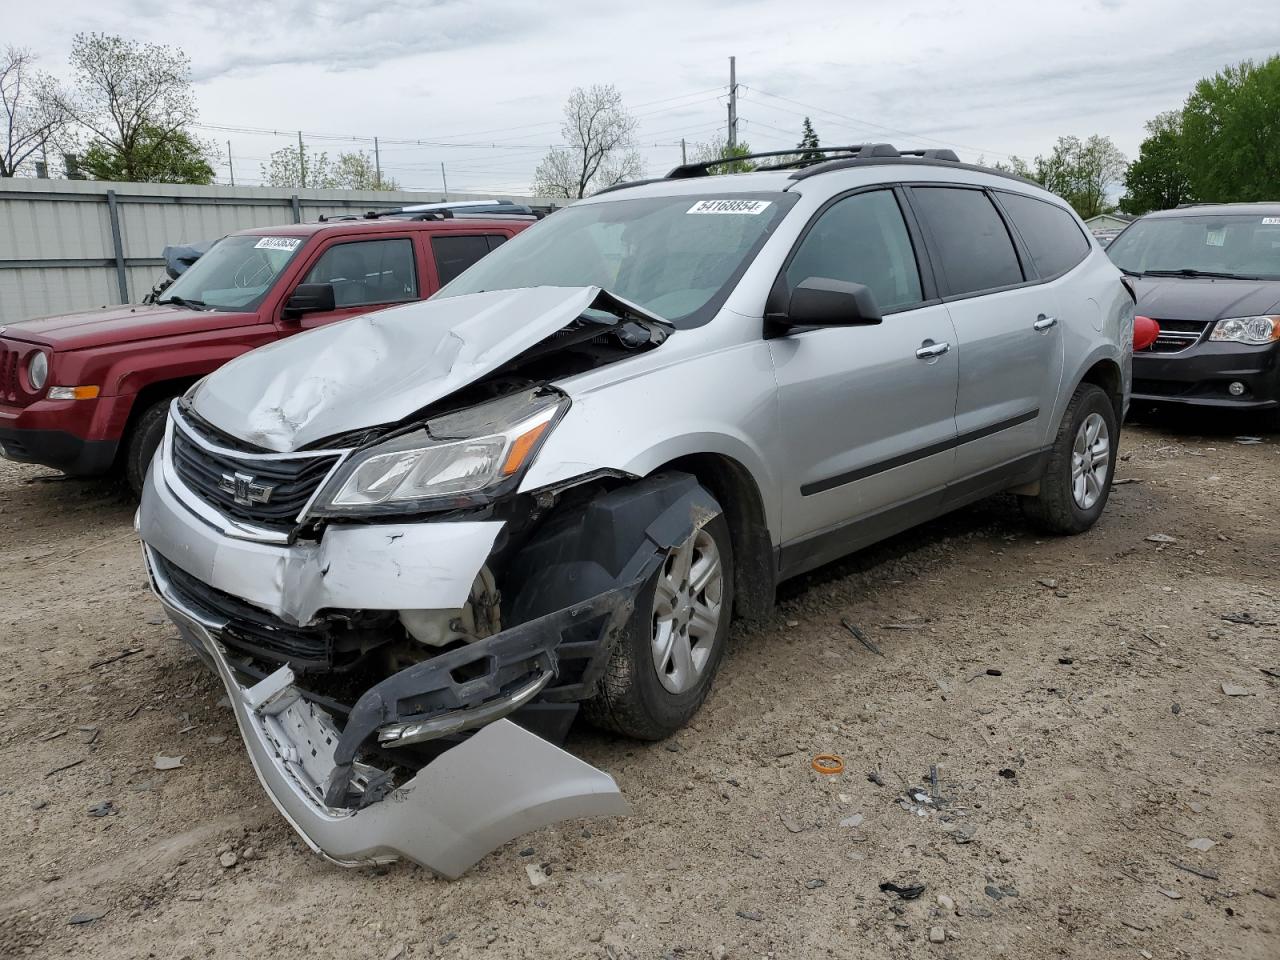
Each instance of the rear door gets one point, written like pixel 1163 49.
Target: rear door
pixel 867 419
pixel 453 253
pixel 1010 342
pixel 366 274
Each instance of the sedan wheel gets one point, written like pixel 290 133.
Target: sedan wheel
pixel 687 607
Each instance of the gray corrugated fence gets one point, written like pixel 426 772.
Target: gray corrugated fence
pixel 77 244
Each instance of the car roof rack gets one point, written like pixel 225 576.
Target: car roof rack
pixel 805 157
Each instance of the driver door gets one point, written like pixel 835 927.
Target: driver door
pixel 366 275
pixel 867 412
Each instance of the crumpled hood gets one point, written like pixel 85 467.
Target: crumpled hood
pixel 124 324
pixel 380 367
pixel 1190 298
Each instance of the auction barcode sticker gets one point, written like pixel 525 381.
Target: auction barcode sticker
pixel 278 243
pixel 730 206
pixel 1271 220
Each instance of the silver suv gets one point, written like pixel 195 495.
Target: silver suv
pixel 416 543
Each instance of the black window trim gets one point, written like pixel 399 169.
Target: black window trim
pixel 774 304
pixel 343 241
pixel 1088 246
pixel 1025 265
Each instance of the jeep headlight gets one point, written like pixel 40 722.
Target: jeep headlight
pixel 1255 330
pixel 38 370
pixel 453 460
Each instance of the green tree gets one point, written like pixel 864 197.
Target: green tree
pixel 1231 125
pixel 718 149
pixel 1081 172
pixel 808 142
pixel 357 171
pixel 176 158
pixel 1158 179
pixel 135 100
pixel 300 167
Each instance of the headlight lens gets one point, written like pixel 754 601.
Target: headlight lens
pixel 38 370
pixel 1247 330
pixel 453 460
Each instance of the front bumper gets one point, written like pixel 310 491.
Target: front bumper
pixel 1200 375
pixel 78 437
pixel 497 784
pixel 58 449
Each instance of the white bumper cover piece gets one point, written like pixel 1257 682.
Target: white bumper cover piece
pixel 501 782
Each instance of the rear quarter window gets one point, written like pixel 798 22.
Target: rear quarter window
pixel 1051 235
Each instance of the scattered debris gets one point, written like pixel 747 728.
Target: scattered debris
pixel 118 656
pixel 1134 926
pixel 1247 619
pixel 937 935
pixel 946 903
pixel 1049 582
pixel 814 884
pixel 1198 871
pixel 874 777
pixel 1121 481
pixel 754 915
pixel 167 763
pixel 999 893
pixel 828 763
pixel 861 637
pixel 65 766
pixel 792 825
pixel 910 891
pixel 1009 773
pixel 1171 894
pixel 228 859
pixel 854 821
pixel 215 739
pixel 537 876
pixel 103 808
pixel 1265 892
pixel 1248 441
pixel 1235 690
pixel 86 916
pixel 1161 538
pixel 45 738
pixel 1201 843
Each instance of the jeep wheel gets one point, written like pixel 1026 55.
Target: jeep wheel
pixel 144 440
pixel 1082 461
pixel 666 657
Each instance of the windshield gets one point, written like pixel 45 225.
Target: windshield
pixel 235 274
pixel 1239 245
pixel 677 257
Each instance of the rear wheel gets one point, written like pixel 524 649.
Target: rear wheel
pixel 144 440
pixel 664 661
pixel 1082 461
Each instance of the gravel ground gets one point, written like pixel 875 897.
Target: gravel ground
pixel 1072 696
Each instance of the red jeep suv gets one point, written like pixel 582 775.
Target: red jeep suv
pixel 88 392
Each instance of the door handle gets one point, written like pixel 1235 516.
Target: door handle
pixel 929 350
pixel 1044 323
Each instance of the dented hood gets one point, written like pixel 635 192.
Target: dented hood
pixel 381 367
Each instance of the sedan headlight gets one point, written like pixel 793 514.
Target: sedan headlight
pixel 1256 330
pixel 454 460
pixel 38 370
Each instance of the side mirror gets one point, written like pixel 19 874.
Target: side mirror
pixel 310 298
pixel 822 302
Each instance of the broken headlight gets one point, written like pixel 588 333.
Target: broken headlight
pixel 452 460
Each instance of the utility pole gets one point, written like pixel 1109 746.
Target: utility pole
pixel 733 102
pixel 377 166
pixel 683 156
pixel 231 166
pixel 445 179
pixel 302 160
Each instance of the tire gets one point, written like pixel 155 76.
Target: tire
pixel 633 699
pixel 144 440
pixel 1060 506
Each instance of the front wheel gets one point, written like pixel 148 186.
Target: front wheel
pixel 144 440
pixel 664 660
pixel 1082 461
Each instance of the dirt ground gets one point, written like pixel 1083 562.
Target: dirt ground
pixel 1069 694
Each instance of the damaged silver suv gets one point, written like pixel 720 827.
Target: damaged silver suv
pixel 416 543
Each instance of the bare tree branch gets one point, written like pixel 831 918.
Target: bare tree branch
pixel 599 147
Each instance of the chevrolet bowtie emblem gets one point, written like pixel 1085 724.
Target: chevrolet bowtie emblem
pixel 245 488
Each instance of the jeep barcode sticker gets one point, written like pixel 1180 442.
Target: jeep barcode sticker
pixel 1271 220
pixel 730 206
pixel 278 243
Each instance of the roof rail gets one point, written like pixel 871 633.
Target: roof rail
pixel 805 156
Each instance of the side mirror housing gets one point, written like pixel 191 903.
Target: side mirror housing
pixel 310 298
pixel 822 302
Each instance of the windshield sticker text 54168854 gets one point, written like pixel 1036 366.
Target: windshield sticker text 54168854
pixel 730 206
pixel 278 243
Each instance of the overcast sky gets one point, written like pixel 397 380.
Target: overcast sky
pixel 489 77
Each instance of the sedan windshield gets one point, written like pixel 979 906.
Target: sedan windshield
pixel 678 257
pixel 235 274
pixel 1239 245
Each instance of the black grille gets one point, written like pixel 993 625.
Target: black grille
pixel 1177 335
pixel 286 484
pixel 8 374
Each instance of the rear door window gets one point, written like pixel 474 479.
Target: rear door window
pixel 861 239
pixel 1050 234
pixel 970 242
pixel 368 271
pixel 454 254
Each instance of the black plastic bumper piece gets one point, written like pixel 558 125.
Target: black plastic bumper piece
pixel 60 450
pixel 1200 376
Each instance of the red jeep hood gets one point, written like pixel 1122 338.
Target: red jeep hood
pixel 126 324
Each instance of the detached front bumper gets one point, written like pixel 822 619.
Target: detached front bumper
pixel 1201 375
pixel 498 783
